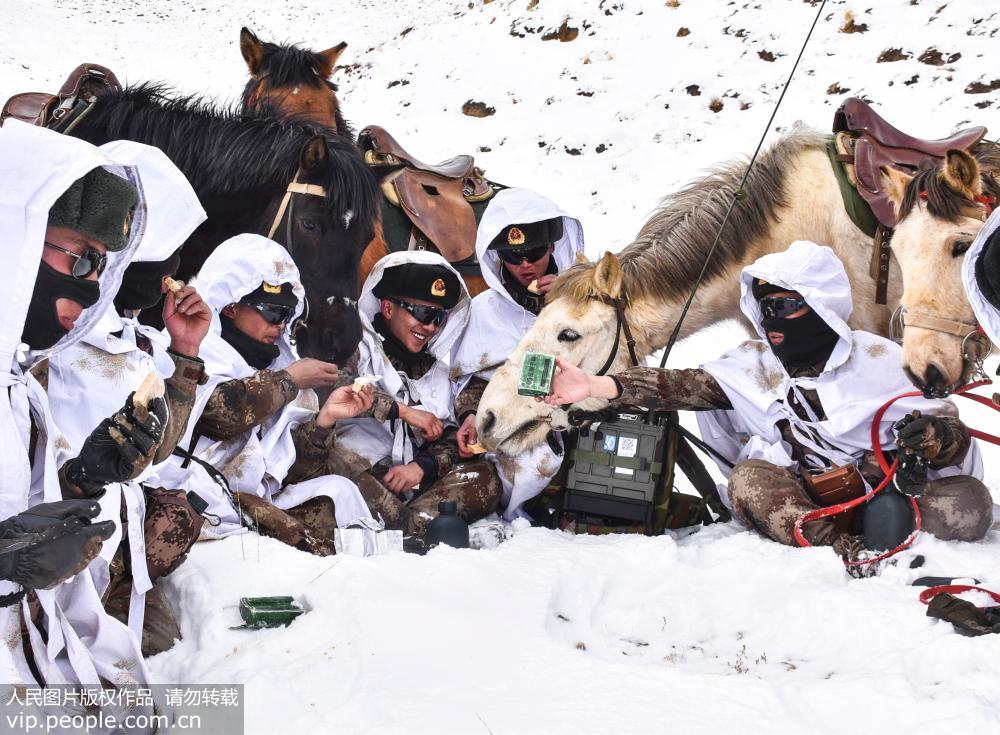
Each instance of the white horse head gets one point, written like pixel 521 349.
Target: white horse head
pixel 579 324
pixel 939 211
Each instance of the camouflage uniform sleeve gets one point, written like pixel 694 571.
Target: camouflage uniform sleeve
pixel 468 400
pixel 189 373
pixel 670 390
pixel 313 447
pixel 236 406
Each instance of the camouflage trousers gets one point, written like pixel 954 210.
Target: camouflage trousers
pixel 170 528
pixel 474 485
pixel 770 499
pixel 307 527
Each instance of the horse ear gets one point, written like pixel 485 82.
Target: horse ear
pixel 385 171
pixel 960 173
pixel 608 275
pixel 313 153
pixel 252 50
pixel 894 183
pixel 330 57
pixel 581 259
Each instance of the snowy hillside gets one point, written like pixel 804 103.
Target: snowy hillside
pixel 605 106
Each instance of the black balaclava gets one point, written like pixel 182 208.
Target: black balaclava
pixel 141 284
pixel 808 341
pixel 257 354
pixel 41 326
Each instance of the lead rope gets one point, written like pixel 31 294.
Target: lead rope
pixel 738 195
pixel 890 471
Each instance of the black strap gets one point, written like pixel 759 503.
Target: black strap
pixel 620 323
pixel 12 598
pixel 220 479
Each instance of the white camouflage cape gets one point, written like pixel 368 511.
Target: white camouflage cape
pixel 498 323
pixel 82 644
pixel 257 461
pixel 433 392
pixel 863 372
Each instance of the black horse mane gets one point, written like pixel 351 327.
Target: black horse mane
pixel 289 66
pixel 226 151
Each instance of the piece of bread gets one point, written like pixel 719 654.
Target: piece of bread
pixel 173 285
pixel 533 286
pixel 150 388
pixel 363 381
pixel 476 448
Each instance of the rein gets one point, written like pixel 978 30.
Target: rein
pixel 890 471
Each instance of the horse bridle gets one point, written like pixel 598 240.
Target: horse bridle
pixel 968 332
pixel 288 205
pixel 621 323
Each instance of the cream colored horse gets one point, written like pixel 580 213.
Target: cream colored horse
pixel 792 194
pixel 940 211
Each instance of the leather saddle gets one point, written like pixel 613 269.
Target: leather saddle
pixel 60 111
pixel 437 199
pixel 866 142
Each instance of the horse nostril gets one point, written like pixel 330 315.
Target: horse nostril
pixel 935 383
pixel 489 421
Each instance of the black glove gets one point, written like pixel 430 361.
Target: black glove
pixel 119 448
pixel 44 545
pixel 911 474
pixel 925 436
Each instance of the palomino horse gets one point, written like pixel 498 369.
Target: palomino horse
pixel 293 182
pixel 939 212
pixel 293 81
pixel 791 194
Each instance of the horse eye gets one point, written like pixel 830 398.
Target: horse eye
pixel 960 247
pixel 568 335
pixel 308 224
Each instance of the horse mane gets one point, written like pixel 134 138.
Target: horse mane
pixel 670 249
pixel 942 201
pixel 291 66
pixel 226 151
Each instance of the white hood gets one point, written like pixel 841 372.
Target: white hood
pixel 986 314
pixel 863 372
pixel 498 322
pixel 816 273
pixel 441 343
pixel 234 269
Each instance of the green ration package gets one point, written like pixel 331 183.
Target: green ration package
pixel 268 612
pixel 536 374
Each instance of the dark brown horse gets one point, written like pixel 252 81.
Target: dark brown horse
pixel 290 80
pixel 241 167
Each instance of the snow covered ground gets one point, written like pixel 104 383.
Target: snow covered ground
pixel 718 631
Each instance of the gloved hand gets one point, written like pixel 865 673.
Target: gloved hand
pixel 924 436
pixel 44 545
pixel 119 448
pixel 911 474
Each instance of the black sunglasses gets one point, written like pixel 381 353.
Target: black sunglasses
pixel 84 263
pixel 424 314
pixel 780 307
pixel 516 257
pixel 274 313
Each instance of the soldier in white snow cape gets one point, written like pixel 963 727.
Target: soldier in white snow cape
pixel 72 217
pixel 90 379
pixel 801 400
pixel 414 308
pixel 524 240
pixel 257 419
